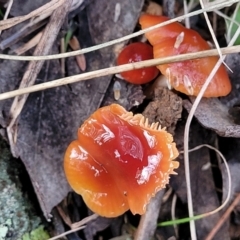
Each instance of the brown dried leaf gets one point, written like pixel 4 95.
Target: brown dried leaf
pixel 212 114
pixel 75 45
pixel 222 116
pixel 50 119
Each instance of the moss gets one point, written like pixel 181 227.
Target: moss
pixel 17 213
pixel 37 234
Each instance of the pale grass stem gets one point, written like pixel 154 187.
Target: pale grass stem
pixel 9 6
pixel 228 176
pixel 186 138
pixel 76 226
pixel 110 43
pixel 113 70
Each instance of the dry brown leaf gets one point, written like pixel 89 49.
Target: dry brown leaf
pixel 212 114
pixel 75 45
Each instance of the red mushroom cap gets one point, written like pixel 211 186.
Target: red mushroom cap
pixel 119 161
pixel 186 76
pixel 136 52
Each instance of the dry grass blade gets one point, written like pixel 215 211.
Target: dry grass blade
pixel 44 46
pixel 114 70
pixel 224 217
pixel 173 207
pixel 110 43
pixel 186 138
pixel 84 221
pixel 186 132
pixel 10 2
pixel 27 88
pixel 49 7
pixel 76 226
pixel 30 44
pixel 211 30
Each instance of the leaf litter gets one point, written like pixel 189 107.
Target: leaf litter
pixel 44 127
pixel 49 120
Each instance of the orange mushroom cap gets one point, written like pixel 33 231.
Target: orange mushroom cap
pixel 186 76
pixel 136 52
pixel 119 161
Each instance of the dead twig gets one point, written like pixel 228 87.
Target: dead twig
pixel 223 218
pixel 186 138
pixel 10 2
pixel 48 7
pixel 115 70
pixel 110 43
pixel 30 44
pixel 21 33
pixel 44 47
pixel 76 226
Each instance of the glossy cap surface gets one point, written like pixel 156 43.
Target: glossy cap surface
pixel 119 162
pixel 186 76
pixel 136 52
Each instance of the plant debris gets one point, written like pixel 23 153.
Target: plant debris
pixel 40 125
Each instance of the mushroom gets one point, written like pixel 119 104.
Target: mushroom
pixel 119 161
pixel 187 76
pixel 136 52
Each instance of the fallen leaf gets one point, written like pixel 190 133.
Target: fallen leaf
pixel 212 114
pixel 50 119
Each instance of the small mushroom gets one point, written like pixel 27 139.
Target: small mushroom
pixel 187 76
pixel 136 52
pixel 119 161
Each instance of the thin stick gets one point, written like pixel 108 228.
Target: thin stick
pixel 185 220
pixel 187 20
pixel 114 70
pixel 48 7
pixel 66 233
pixel 76 226
pixel 186 148
pixel 186 131
pixel 223 218
pixel 186 138
pixel 30 44
pixel 10 3
pixel 110 43
pixel 229 179
pixel 211 31
pixel 173 208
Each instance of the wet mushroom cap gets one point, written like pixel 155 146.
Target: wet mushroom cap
pixel 187 76
pixel 136 52
pixel 119 161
